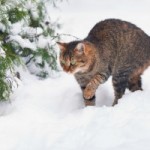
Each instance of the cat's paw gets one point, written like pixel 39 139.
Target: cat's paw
pixel 88 93
pixel 89 102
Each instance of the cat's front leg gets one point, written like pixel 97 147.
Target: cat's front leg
pixel 89 100
pixel 90 89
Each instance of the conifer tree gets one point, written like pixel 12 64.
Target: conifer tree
pixel 26 38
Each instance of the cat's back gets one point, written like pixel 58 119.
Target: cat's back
pixel 114 26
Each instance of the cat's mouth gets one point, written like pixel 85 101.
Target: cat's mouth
pixel 74 71
pixel 70 71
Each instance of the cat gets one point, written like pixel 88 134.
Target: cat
pixel 112 48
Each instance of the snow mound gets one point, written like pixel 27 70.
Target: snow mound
pixel 50 115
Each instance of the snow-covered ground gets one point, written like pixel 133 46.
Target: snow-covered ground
pixel 50 114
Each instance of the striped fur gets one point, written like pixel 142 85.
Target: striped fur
pixel 112 48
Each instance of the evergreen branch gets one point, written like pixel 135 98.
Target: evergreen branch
pixel 29 16
pixel 64 34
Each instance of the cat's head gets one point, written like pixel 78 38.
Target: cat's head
pixel 76 56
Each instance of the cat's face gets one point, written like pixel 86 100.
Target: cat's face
pixel 73 57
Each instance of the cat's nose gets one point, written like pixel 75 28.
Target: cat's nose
pixel 68 63
pixel 72 70
pixel 66 68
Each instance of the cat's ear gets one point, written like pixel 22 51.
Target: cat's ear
pixel 62 46
pixel 80 48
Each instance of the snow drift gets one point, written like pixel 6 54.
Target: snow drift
pixel 50 115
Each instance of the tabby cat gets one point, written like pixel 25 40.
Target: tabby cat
pixel 112 48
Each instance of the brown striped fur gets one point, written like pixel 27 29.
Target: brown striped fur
pixel 112 48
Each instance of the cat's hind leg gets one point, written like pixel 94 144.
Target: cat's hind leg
pixel 135 83
pixel 120 83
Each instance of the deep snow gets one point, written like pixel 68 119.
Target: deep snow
pixel 50 114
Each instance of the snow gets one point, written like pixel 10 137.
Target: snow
pixel 2 52
pixel 2 27
pixel 24 43
pixel 50 114
pixel 79 16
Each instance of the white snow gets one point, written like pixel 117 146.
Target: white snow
pixel 50 114
pixel 2 52
pixel 24 43
pixel 2 27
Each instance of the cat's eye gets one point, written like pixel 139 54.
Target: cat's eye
pixel 82 61
pixel 63 62
pixel 73 62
